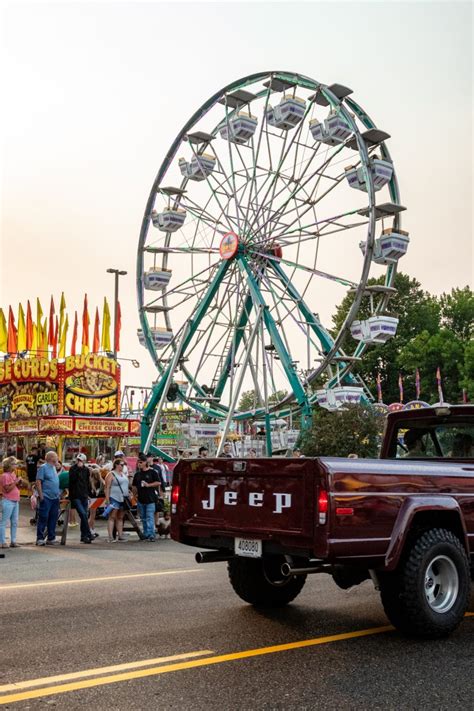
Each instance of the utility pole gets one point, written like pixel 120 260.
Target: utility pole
pixel 118 273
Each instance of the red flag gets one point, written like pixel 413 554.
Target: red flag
pixel 51 324
pixel 85 328
pixel 417 384
pixel 96 341
pixel 54 342
pixel 29 328
pixel 74 335
pixel 12 337
pixel 118 326
pixel 400 386
pixel 440 386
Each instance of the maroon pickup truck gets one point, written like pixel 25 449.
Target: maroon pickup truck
pixel 406 520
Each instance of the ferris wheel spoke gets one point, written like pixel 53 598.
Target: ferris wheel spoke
pixel 209 332
pixel 283 155
pixel 301 186
pixel 285 356
pixel 255 155
pixel 214 193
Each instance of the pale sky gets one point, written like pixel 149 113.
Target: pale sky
pixel 95 93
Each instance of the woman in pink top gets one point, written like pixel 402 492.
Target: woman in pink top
pixel 10 490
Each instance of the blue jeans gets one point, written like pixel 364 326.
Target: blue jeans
pixel 47 517
pixel 81 506
pixel 147 515
pixel 9 512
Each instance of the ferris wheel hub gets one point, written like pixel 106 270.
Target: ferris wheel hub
pixel 229 245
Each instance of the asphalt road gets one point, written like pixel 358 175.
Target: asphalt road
pixel 181 639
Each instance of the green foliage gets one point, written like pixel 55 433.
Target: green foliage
pixel 354 429
pixel 248 401
pixel 457 312
pixel 431 333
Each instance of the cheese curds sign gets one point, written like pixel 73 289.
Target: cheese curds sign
pixel 81 385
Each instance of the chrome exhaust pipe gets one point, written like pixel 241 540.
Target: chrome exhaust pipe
pixel 287 570
pixel 212 556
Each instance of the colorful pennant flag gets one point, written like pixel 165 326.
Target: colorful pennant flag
pixel 12 333
pixel 3 333
pixel 21 344
pixel 51 323
pixel 39 316
pixel 105 340
pixel 44 351
pixel 85 328
pixel 440 385
pixel 400 386
pixel 418 384
pixel 29 327
pixel 62 341
pixel 55 338
pixel 34 340
pixel 62 312
pixel 379 388
pixel 74 335
pixel 96 338
pixel 118 326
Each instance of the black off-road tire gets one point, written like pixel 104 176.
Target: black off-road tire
pixel 403 592
pixel 260 582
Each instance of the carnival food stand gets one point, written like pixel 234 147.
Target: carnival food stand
pixel 71 406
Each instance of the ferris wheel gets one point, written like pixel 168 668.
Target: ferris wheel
pixel 278 195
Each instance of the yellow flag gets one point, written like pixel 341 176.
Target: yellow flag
pixel 34 343
pixel 3 332
pixel 44 339
pixel 62 342
pixel 62 309
pixel 105 339
pixel 21 343
pixel 39 316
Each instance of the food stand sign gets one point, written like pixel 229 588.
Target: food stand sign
pixel 91 385
pixel 29 387
pixel 19 427
pixel 96 426
pixel 56 425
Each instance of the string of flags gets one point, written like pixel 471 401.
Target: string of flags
pixel 439 382
pixel 46 336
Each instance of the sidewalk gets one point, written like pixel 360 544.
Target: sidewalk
pixel 26 533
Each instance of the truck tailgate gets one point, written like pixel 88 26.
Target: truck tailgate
pixel 267 498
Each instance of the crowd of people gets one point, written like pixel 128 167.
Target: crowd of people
pixel 85 485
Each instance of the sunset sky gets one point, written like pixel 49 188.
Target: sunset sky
pixel 94 93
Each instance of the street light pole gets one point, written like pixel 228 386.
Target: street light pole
pixel 118 273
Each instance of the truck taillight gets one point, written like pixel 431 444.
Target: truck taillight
pixel 174 497
pixel 323 503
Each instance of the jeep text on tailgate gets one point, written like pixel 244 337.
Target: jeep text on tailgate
pixel 406 520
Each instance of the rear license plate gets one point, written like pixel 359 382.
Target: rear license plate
pixel 248 547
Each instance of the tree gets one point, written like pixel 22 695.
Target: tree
pixel 354 429
pixel 457 312
pixel 416 310
pixel 248 401
pixel 428 352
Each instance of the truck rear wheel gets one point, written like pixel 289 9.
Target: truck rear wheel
pixel 429 593
pixel 261 583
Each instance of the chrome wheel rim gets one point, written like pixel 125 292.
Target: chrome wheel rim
pixel 441 584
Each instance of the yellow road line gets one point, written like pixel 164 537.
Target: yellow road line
pixel 78 581
pixel 192 664
pixel 31 683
